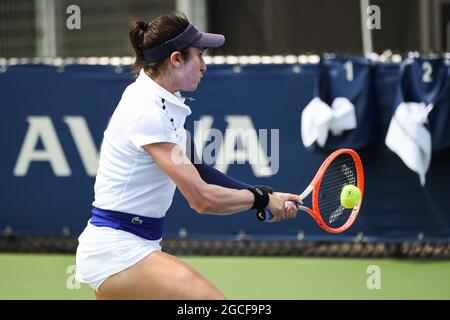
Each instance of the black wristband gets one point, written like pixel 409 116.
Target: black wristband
pixel 261 197
pixel 266 188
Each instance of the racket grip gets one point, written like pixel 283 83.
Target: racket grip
pixel 265 215
pixel 294 203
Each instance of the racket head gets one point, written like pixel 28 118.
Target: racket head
pixel 342 167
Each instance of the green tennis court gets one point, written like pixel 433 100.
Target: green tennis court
pixel 44 276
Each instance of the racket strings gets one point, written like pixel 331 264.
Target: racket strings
pixel 340 172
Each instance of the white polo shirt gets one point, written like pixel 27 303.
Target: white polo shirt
pixel 128 179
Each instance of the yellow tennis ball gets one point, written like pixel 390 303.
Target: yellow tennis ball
pixel 350 196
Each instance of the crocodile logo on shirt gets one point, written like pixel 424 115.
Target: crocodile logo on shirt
pixel 136 220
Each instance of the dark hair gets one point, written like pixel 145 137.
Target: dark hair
pixel 143 35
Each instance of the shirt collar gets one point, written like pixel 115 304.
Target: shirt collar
pixel 144 80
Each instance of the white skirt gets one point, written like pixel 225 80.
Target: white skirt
pixel 104 251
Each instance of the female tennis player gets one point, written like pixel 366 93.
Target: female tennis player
pixel 144 156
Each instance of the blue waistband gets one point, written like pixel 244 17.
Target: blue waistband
pixel 145 227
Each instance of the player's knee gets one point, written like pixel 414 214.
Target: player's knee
pixel 206 291
pixel 200 288
pixel 186 275
pixel 214 294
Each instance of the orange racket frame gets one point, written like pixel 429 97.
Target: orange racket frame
pixel 314 186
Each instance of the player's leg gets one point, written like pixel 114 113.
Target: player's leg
pixel 159 276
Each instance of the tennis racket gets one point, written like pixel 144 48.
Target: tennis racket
pixel 342 167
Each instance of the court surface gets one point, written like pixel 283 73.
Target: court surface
pixel 51 276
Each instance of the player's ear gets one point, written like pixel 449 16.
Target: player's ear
pixel 176 59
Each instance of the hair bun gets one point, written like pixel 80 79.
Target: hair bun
pixel 143 29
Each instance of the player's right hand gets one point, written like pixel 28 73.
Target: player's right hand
pixel 281 207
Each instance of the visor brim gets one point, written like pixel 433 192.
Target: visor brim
pixel 209 40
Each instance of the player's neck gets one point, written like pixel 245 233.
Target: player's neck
pixel 165 82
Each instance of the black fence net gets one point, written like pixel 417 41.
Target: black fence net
pixel 358 249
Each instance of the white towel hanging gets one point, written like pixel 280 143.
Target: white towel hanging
pixel 318 119
pixel 408 137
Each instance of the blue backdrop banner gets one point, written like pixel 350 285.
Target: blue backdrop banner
pixel 53 120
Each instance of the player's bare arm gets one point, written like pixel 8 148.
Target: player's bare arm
pixel 209 198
